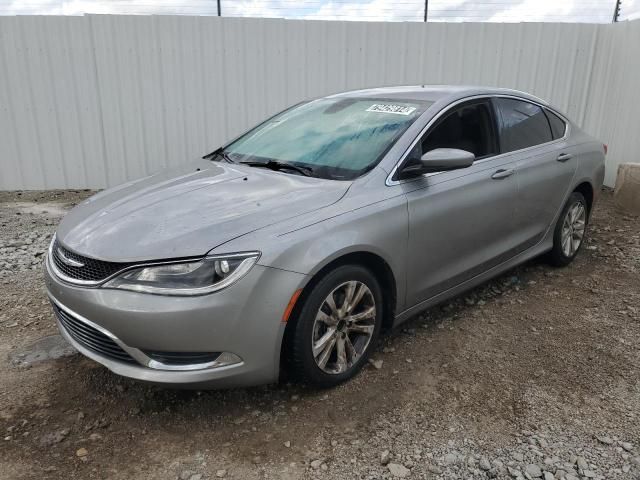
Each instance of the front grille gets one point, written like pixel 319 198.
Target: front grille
pixel 90 337
pixel 92 270
pixel 183 358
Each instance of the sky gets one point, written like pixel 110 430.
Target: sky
pixel 592 11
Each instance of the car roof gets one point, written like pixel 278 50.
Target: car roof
pixel 433 93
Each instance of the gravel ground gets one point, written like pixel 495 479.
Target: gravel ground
pixel 533 375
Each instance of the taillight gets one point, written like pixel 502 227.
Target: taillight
pixel 606 148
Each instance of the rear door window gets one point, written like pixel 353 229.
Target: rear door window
pixel 522 124
pixel 558 126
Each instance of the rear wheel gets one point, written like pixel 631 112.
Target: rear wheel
pixel 337 326
pixel 570 230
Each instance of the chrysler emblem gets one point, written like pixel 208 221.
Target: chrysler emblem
pixel 68 261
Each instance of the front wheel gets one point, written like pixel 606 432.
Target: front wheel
pixel 337 326
pixel 570 231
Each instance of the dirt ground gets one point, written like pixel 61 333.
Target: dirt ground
pixel 533 375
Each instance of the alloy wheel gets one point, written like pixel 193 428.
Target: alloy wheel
pixel 573 228
pixel 343 327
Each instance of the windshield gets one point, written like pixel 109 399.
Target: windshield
pixel 339 138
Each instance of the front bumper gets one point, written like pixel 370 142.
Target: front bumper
pixel 243 321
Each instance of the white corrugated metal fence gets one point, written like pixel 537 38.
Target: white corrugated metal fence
pixel 97 100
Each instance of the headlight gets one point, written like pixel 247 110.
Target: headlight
pixel 187 278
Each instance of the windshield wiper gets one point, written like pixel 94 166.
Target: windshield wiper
pixel 220 153
pixel 276 165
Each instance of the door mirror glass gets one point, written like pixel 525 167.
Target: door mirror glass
pixel 439 160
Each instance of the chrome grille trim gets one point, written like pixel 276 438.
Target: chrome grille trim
pixel 80 270
pixel 183 358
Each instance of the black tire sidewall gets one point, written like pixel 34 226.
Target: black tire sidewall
pixel 303 360
pixel 558 257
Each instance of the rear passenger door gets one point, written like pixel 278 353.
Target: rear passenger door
pixel 534 137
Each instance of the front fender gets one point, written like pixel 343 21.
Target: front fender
pixel 380 228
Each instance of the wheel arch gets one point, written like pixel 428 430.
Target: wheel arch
pixel 366 258
pixel 586 189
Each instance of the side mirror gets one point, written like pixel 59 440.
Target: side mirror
pixel 439 160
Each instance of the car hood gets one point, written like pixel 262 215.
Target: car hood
pixel 188 211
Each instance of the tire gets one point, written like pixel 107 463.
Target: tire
pixel 562 253
pixel 316 322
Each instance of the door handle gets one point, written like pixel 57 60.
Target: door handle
pixel 502 173
pixel 563 157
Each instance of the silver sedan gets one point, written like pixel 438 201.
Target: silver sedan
pixel 295 244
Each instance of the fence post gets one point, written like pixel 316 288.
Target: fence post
pixel 616 12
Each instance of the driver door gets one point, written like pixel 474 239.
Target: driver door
pixel 461 222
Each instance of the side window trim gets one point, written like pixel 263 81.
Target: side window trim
pixel 546 115
pixel 498 124
pixel 495 124
pixel 391 180
pixel 548 111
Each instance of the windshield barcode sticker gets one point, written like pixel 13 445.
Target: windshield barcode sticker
pixel 391 108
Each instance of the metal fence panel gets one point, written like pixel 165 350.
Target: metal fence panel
pixel 93 101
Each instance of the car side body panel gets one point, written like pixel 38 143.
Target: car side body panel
pixel 591 160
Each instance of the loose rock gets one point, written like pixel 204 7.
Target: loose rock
pixel 54 437
pixel 606 440
pixel 450 459
pixel 533 470
pixel 377 364
pixel 398 470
